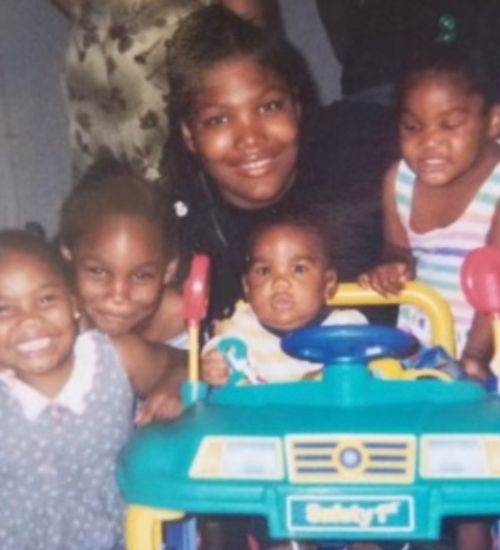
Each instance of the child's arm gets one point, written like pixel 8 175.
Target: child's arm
pixel 214 368
pixel 398 267
pixel 156 372
pixel 478 350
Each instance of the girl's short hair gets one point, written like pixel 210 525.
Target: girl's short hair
pixel 468 58
pixel 34 244
pixel 213 34
pixel 112 188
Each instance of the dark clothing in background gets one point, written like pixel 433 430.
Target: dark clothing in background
pixel 367 37
pixel 372 38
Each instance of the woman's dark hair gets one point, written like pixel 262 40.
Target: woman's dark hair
pixel 206 37
pixel 31 243
pixel 214 34
pixel 112 188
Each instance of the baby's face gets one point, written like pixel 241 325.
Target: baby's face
pixel 288 280
pixel 37 321
pixel 120 270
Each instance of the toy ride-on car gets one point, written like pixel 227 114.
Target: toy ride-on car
pixel 353 456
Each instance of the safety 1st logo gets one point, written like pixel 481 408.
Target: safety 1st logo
pixel 351 513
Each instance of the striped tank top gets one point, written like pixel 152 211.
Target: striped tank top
pixel 439 253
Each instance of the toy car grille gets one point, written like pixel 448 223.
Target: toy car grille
pixel 344 458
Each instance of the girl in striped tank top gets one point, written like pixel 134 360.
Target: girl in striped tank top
pixel 441 200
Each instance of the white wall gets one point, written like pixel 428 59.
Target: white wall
pixel 34 151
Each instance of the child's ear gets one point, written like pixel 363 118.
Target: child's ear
pixel 331 284
pixel 66 253
pixel 170 270
pixel 494 129
pixel 187 136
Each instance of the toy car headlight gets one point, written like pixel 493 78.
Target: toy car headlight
pixel 460 456
pixel 239 458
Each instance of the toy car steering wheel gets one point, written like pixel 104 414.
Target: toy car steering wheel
pixel 348 343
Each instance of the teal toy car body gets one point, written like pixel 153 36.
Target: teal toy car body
pixel 350 457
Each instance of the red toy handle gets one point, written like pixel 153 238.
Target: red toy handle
pixel 480 277
pixel 196 290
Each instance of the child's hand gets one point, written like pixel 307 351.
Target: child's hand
pixel 388 278
pixel 214 368
pixel 161 405
pixel 475 368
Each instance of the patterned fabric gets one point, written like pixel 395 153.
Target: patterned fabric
pixel 115 80
pixel 439 253
pixel 266 358
pixel 57 460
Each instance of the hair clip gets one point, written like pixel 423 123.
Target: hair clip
pixel 447 29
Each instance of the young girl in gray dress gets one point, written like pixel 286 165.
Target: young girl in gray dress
pixel 67 406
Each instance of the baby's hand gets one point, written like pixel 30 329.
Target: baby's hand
pixel 214 368
pixel 161 405
pixel 388 278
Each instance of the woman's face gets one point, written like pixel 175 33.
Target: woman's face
pixel 245 131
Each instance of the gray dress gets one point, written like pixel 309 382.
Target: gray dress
pixel 57 469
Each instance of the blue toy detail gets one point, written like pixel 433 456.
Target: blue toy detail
pixel 348 343
pixel 349 457
pixel 236 353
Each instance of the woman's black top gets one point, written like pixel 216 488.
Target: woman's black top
pixel 344 151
